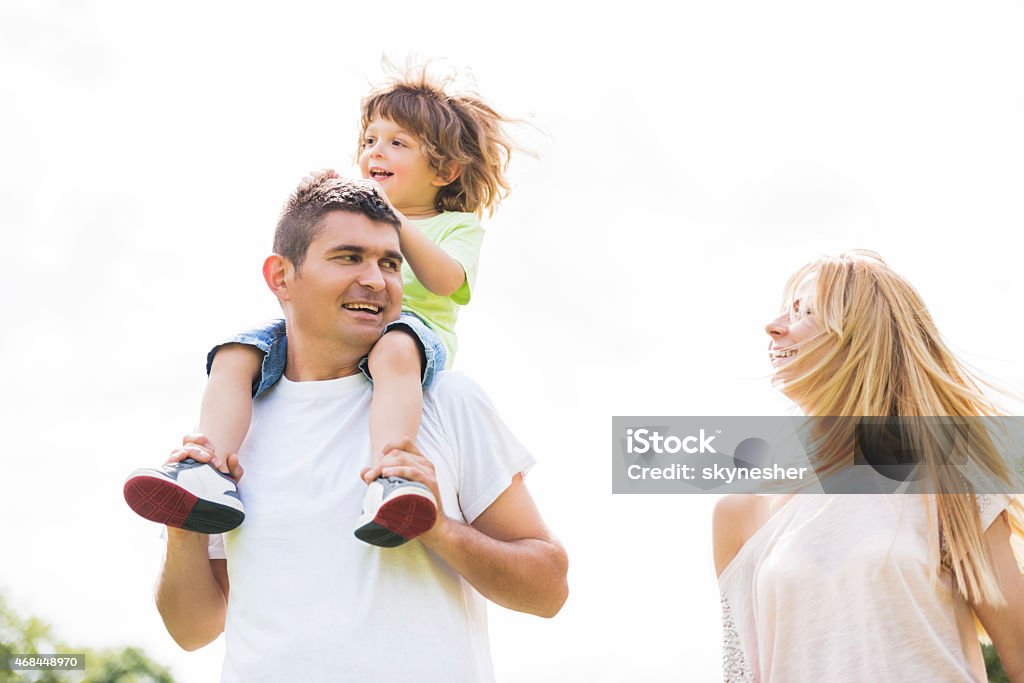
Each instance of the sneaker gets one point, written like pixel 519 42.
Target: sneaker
pixel 190 495
pixel 395 510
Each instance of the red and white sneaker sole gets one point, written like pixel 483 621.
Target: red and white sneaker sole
pixel 161 500
pixel 401 517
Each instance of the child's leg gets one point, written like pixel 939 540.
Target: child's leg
pixel 227 402
pixel 402 363
pixel 396 364
pixel 187 494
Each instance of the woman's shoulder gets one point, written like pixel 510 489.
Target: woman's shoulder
pixel 736 518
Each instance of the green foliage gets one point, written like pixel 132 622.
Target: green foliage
pixel 993 667
pixel 131 665
pixel 30 636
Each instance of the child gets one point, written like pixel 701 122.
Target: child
pixel 440 159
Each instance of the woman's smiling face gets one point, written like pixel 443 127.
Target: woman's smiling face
pixel 796 325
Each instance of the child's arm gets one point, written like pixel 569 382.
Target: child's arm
pixel 438 271
pixel 227 402
pixel 432 265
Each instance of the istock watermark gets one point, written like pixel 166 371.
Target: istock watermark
pixel 649 440
pixel 817 455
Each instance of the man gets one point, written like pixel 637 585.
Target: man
pixel 308 601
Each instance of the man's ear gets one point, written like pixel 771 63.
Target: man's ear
pixel 278 271
pixel 448 174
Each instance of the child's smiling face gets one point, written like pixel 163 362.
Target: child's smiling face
pixel 394 158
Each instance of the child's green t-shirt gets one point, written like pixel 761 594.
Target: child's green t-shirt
pixel 460 235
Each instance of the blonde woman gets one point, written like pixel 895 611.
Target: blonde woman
pixel 832 588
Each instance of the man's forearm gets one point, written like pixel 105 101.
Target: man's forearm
pixel 526 575
pixel 188 596
pixel 507 554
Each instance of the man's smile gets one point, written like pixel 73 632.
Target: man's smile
pixel 364 309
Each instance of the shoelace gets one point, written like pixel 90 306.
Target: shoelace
pixel 181 464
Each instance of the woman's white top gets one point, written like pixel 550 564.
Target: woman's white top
pixel 844 588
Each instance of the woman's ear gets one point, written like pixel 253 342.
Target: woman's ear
pixel 448 174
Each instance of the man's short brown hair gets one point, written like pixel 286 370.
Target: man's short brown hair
pixel 300 222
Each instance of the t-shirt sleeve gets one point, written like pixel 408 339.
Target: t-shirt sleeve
pixel 488 455
pixel 463 244
pixel 214 546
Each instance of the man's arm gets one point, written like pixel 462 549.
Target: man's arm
pixel 191 594
pixel 507 554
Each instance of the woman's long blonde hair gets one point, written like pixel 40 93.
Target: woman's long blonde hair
pixel 878 353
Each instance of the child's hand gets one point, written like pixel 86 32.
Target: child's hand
pixel 199 448
pixel 383 194
pixel 308 180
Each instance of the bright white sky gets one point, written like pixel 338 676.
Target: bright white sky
pixel 692 158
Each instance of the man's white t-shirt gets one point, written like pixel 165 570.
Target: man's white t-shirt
pixel 310 602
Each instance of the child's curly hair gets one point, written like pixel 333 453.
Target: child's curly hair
pixel 457 127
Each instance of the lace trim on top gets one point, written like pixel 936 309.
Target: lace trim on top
pixel 734 664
